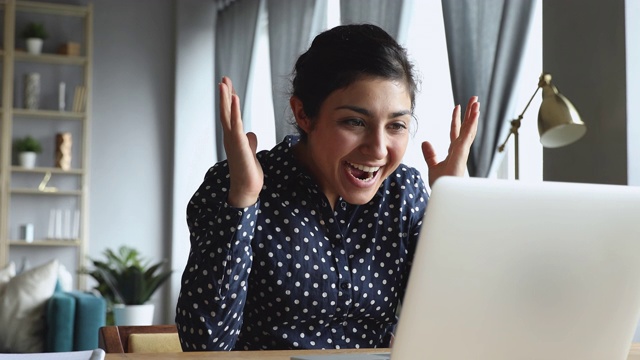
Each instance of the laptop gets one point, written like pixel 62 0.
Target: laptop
pixel 521 270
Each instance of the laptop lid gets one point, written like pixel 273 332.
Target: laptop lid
pixel 508 269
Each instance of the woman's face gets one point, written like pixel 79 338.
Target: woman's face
pixel 358 138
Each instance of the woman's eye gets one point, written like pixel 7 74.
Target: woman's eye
pixel 398 126
pixel 354 122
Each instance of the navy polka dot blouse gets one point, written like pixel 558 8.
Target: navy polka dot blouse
pixel 291 273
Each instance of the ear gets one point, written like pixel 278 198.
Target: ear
pixel 298 112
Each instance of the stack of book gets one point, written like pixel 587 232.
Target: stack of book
pixel 80 99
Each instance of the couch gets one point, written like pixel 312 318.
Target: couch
pixel 40 311
pixel 73 320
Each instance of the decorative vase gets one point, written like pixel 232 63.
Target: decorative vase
pixel 32 91
pixel 133 314
pixel 27 159
pixel 63 150
pixel 34 45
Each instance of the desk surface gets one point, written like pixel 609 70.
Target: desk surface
pixel 634 354
pixel 242 355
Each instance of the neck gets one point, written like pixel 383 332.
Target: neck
pixel 301 154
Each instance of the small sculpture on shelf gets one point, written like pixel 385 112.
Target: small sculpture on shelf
pixel 32 91
pixel 34 35
pixel 63 150
pixel 28 149
pixel 44 187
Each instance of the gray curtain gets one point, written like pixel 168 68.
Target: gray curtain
pixel 485 40
pixel 390 15
pixel 292 26
pixel 236 23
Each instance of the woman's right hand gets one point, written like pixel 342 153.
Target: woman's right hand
pixel 246 176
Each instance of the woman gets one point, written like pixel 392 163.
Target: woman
pixel 309 245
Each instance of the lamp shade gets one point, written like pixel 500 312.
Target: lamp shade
pixel 559 123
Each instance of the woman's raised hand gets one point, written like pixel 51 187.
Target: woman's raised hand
pixel 462 135
pixel 244 169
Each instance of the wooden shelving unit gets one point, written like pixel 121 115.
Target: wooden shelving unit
pixel 20 200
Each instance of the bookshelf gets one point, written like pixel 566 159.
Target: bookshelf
pixel 49 198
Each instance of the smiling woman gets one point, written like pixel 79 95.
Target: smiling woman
pixel 326 222
pixel 357 139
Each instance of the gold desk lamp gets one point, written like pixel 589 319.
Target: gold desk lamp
pixel 559 123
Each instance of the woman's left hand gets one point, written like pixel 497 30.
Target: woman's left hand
pixel 462 135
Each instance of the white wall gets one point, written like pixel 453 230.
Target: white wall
pixel 194 126
pixel 131 139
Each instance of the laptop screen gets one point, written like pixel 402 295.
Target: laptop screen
pixel 508 269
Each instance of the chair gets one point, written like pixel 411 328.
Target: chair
pixel 73 319
pixel 149 339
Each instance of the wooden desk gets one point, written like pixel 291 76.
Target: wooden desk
pixel 634 354
pixel 240 355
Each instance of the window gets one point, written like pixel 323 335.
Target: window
pixel 427 48
pixel 259 106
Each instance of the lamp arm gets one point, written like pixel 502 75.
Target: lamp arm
pixel 515 123
pixel 529 102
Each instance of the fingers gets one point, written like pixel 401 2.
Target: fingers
pixel 230 115
pixel 253 141
pixel 235 121
pixel 467 112
pixel 455 124
pixel 225 106
pixel 470 124
pixel 226 80
pixel 466 130
pixel 471 110
pixel 459 149
pixel 429 154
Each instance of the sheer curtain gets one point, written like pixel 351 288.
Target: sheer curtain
pixel 390 15
pixel 485 41
pixel 292 26
pixel 236 23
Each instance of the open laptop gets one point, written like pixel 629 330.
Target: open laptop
pixel 517 270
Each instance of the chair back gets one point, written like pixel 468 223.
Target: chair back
pixel 150 339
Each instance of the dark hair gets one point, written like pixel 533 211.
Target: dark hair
pixel 340 56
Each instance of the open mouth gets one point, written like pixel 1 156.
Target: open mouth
pixel 362 172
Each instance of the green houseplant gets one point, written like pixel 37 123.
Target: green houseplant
pixel 27 149
pixel 34 35
pixel 35 30
pixel 28 144
pixel 125 279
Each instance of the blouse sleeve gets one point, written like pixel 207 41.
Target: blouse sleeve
pixel 419 198
pixel 210 306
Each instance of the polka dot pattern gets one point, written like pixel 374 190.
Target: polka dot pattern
pixel 290 272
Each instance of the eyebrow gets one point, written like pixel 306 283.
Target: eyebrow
pixel 366 112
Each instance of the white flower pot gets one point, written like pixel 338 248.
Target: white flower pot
pixel 34 45
pixel 133 314
pixel 27 159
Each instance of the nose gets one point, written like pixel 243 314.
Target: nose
pixel 375 145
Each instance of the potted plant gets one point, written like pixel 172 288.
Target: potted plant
pixel 127 282
pixel 28 149
pixel 34 35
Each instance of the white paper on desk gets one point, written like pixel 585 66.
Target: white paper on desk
pixel 97 354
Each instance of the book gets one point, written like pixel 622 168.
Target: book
pixel 79 99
